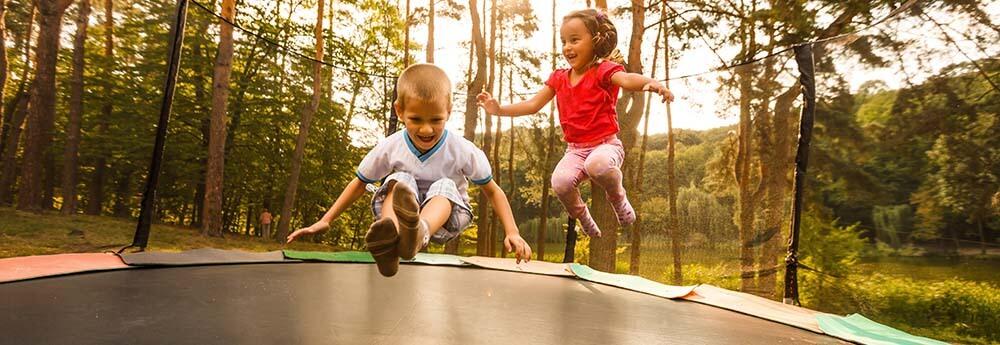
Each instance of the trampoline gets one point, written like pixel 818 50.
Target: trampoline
pixel 212 296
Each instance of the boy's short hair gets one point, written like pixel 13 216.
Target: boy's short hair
pixel 423 81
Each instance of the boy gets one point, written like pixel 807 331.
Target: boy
pixel 424 196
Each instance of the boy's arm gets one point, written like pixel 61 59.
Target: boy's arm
pixel 354 190
pixel 528 107
pixel 513 241
pixel 639 82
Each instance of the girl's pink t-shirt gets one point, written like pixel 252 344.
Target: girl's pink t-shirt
pixel 587 109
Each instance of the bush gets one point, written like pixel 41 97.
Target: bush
pixel 952 306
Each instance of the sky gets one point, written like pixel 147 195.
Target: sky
pixel 698 105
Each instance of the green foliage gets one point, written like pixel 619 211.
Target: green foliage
pixel 704 221
pixel 951 307
pixel 827 246
pixel 555 230
pixel 875 109
pixel 892 223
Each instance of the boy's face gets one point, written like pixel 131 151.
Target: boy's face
pixel 424 121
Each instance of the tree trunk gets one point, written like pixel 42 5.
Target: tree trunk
pixel 636 234
pixel 3 59
pixel 305 122
pixel 510 152
pixel 10 110
pixel 96 188
pixel 471 109
pixel 71 154
pixel 745 212
pixel 123 195
pixel 982 237
pixel 549 147
pixel 406 35
pixel 485 241
pixel 197 204
pixel 49 181
pixel 776 170
pixel 483 236
pixel 248 225
pixel 211 219
pixel 16 111
pixel 14 114
pixel 19 113
pixel 603 250
pixel 672 226
pixel 498 168
pixel 430 31
pixel 41 112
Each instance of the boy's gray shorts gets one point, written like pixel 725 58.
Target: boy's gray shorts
pixel 461 213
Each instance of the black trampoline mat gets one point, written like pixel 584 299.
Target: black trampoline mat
pixel 340 303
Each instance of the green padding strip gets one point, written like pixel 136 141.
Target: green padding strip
pixel 365 257
pixel 630 282
pixel 860 329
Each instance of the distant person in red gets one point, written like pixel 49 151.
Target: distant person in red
pixel 586 94
pixel 265 223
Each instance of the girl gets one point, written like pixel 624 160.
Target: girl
pixel 586 94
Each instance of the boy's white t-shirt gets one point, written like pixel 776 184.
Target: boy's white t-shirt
pixel 452 157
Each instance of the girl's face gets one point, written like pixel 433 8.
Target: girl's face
pixel 577 44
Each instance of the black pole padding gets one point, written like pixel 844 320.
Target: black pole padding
pixel 570 252
pixel 156 162
pixel 807 78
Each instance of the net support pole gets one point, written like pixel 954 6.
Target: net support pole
pixel 152 178
pixel 570 250
pixel 807 79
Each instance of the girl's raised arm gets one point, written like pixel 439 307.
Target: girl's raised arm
pixel 528 107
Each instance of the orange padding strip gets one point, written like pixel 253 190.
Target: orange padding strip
pixel 28 267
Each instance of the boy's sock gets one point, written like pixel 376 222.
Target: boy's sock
pixel 588 226
pixel 623 209
pixel 382 241
pixel 411 229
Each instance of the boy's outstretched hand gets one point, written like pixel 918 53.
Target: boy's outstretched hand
pixel 663 91
pixel 519 247
pixel 319 227
pixel 488 103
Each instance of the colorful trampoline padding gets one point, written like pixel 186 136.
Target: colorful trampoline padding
pixel 757 306
pixel 30 267
pixel 634 283
pixel 357 257
pixel 860 329
pixel 534 267
pixel 203 256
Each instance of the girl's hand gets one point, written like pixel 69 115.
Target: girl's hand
pixel 655 86
pixel 486 101
pixel 319 227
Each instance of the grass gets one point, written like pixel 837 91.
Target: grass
pixel 23 233
pixel 976 269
